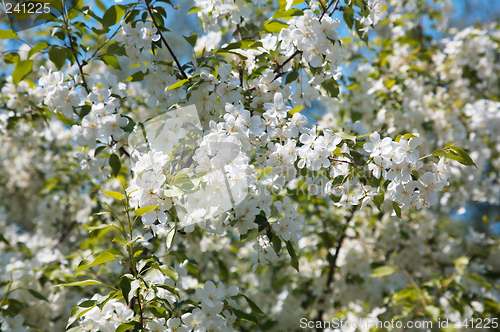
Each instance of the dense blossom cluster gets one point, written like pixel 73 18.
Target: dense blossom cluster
pixel 279 171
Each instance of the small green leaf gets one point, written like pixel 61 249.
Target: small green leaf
pixel 255 308
pixel 114 162
pixel 244 316
pixel 291 77
pixel 293 255
pixel 276 241
pixel 114 194
pixel 8 34
pixel 111 60
pixel 145 209
pixel 37 295
pixel 125 327
pixel 23 68
pixel 275 26
pixel 296 109
pixel 287 14
pixel 397 209
pixel 103 226
pixel 170 273
pixel 37 48
pixel 192 39
pixel 85 283
pixel 125 287
pixel 407 136
pixel 170 237
pixel 11 58
pixel 113 15
pixel 178 84
pixel 382 271
pixel 193 10
pixel 103 257
pixel 58 56
pixel 78 312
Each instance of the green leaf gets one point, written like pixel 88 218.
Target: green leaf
pixel 455 153
pixel 171 289
pixel 167 270
pixel 181 82
pixel 78 312
pixel 103 257
pixel 244 316
pixel 102 226
pixel 288 13
pixel 348 16
pixel 379 200
pixel 192 39
pixel 125 327
pixel 37 48
pixel 382 271
pixel 397 209
pixel 37 295
pixel 114 162
pixel 114 194
pixel 85 283
pixel 170 237
pixel 113 15
pixel 178 84
pixel 275 26
pixel 111 60
pixel 255 308
pixel 58 56
pixel 8 34
pixel 243 45
pixel 23 68
pixel 276 241
pixel 296 109
pixel 407 136
pixel 125 287
pixel 193 10
pixel 294 3
pixel 145 209
pixel 158 312
pixel 11 58
pixel 291 76
pixel 293 255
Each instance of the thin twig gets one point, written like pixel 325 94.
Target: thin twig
pixel 326 9
pixel 333 265
pixel 164 40
pixel 80 67
pixel 353 163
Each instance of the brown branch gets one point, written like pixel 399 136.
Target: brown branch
pixel 326 9
pixel 353 163
pixel 148 6
pixel 80 66
pixel 333 265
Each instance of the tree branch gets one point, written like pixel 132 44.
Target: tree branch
pixel 80 66
pixel 148 6
pixel 327 7
pixel 333 265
